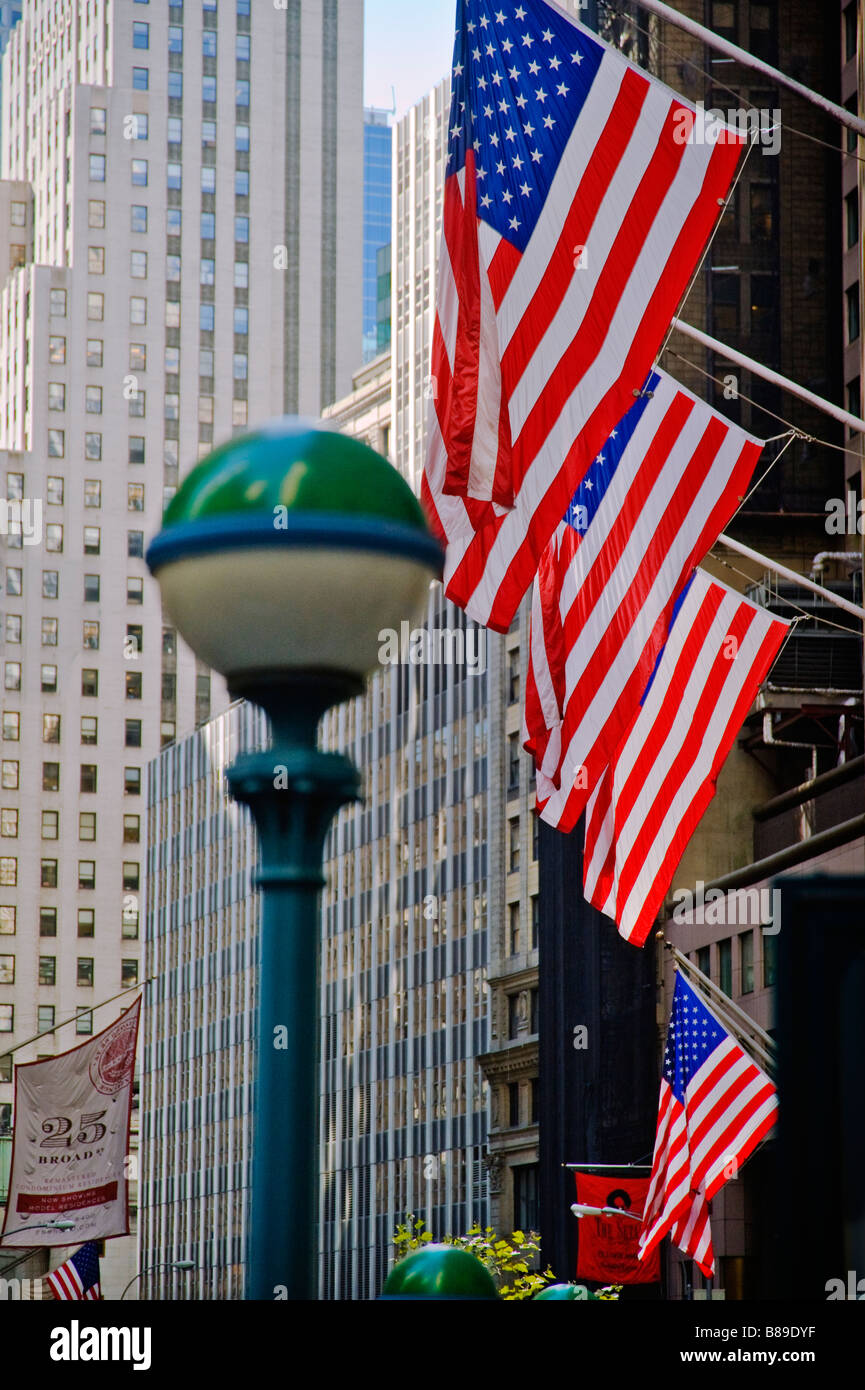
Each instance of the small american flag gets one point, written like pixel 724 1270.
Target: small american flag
pixel 650 799
pixel 652 505
pixel 78 1277
pixel 575 211
pixel 715 1107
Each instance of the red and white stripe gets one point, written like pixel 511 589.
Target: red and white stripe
pixel 652 795
pixel 536 356
pixel 607 598
pixel 66 1284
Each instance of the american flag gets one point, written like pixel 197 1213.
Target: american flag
pixel 647 805
pixel 575 211
pixel 653 503
pixel 78 1277
pixel 716 1106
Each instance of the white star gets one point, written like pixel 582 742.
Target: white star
pixel 563 90
pixel 515 223
pixel 488 112
pixel 497 79
pixel 549 122
pixel 506 46
pixel 541 95
pixel 527 40
pixel 599 459
pixel 486 201
pixel 476 54
pixel 589 485
pixel 534 68
pixel 537 156
pixel 494 140
pixel 555 64
pixel 462 107
pixel 520 13
pixel 482 83
pixel 471 27
pixel 548 36
pixel 458 70
pixel 614 434
pixel 490 50
pixel 529 129
pixel 485 24
pixel 500 16
pixel 522 101
pixel 456 131
pixel 507 196
pixel 525 190
pixel 500 167
pixel 517 162
pixel 514 73
pixel 510 135
pixel 476 145
pixel 577 58
pixel 481 173
pixel 503 106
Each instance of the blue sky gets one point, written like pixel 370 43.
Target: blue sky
pixel 409 47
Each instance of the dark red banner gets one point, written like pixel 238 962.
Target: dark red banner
pixel 66 1201
pixel 608 1245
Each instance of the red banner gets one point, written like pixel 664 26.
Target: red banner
pixel 608 1245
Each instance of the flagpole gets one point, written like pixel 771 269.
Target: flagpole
pixel 740 1023
pixel 793 577
pixel 66 1021
pixel 747 60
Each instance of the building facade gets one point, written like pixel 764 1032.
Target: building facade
pixel 377 196
pixel 178 261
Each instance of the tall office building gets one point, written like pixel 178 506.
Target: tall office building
pixel 377 192
pixel 181 187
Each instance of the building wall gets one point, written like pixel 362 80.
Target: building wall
pixel 377 198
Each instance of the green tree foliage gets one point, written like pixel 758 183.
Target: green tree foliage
pixel 507 1258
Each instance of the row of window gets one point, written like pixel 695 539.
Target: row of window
pixel 724 972
pixel 131 876
pixel 83 1020
pixel 86 915
pixel 48 976
pixel 86 819
pixel 137 313
pixel 88 781
pixel 141 40
pixel 51 725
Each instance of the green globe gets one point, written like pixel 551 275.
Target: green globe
pixel 576 1293
pixel 440 1271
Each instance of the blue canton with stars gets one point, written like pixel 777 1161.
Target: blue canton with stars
pixel 692 1036
pixel 589 495
pixel 521 74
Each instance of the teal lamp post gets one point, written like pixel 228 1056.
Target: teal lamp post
pixel 281 558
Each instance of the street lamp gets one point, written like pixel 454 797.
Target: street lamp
pixel 283 556
pixel 166 1264
pixel 47 1226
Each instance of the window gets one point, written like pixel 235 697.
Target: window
pixel 11 721
pixel 47 970
pixel 175 130
pixel 205 362
pixel 49 680
pixel 137 310
pixel 241 366
pixel 18 214
pixel 241 139
pixel 93 400
pixel 138 216
pixel 86 921
pixel 725 305
pixel 208 134
pixel 140 79
pixel 140 126
pixel 51 777
pixel 56 395
pixel 513 1016
pixel 9 779
pixel 139 173
pixel 173 221
pixel 51 728
pixel 94 356
pixel 513 929
pixel 746 961
pixel 208 43
pixel 89 682
pixel 96 260
pixel 850 28
pixel 526 1207
pixel 7 926
pixel 764 304
pixel 241 48
pixel 138 409
pixel 205 410
pixel 135 543
pixel 9 823
pixel 48 873
pixel 172 313
pixel 56 444
pixel 14 582
pixel 92 534
pixel 129 923
pixel 208 271
pixel 513 762
pixel 91 588
pixel 89 729
pixel 97 168
pixel 83 1021
pixel 208 226
pixel 138 357
pixel 513 845
pixel 88 778
pixel 54 491
pixel 136 455
pixel 128 974
pixel 725 965
pixel 241 320
pixel 92 501
pixel 86 873
pixel 535 906
pixel 852 297
pixel 87 825
pixel 174 175
pixel 133 733
pixel 132 781
pixel 9 873
pixel 131 875
pixel 12 675
pixel 205 320
pixel 58 304
pixel 57 351
pixel 7 1018
pixel 175 86
pixel 513 1104
pixel 169 641
pixel 175 38
pixel 85 972
pixel 171 405
pixel 241 183
pixel 241 93
pixel 91 636
pixel 134 590
pixel 45 1018
pixel 140 35
pixel 95 306
pixel 208 176
pixel 131 830
pixel 54 537
pixel 96 213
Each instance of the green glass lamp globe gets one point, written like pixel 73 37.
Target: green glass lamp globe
pixel 576 1293
pixel 289 549
pixel 440 1271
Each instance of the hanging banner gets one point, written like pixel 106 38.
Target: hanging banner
pixel 71 1139
pixel 608 1245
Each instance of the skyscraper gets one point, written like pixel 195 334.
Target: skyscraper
pixel 377 183
pixel 181 191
